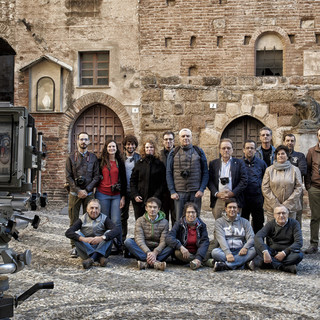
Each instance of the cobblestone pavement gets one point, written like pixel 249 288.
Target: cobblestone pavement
pixel 120 291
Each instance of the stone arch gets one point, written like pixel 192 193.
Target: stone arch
pixel 90 99
pixel 277 31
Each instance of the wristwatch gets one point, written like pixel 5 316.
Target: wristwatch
pixel 104 237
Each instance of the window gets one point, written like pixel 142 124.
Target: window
pixel 94 68
pixel 45 94
pixel 193 41
pixel 269 55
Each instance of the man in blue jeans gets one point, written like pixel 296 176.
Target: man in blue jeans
pixel 236 240
pixel 149 245
pixel 92 235
pixel 282 249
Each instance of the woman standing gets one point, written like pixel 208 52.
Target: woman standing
pixel 112 188
pixel 282 184
pixel 148 178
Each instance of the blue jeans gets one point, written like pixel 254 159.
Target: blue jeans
pixel 185 197
pixel 135 250
pixel 110 206
pixel 239 261
pixel 85 250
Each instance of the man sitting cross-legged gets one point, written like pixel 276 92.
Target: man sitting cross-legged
pixel 93 234
pixel 236 240
pixel 148 245
pixel 282 250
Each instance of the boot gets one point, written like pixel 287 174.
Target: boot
pixel 159 265
pixel 142 265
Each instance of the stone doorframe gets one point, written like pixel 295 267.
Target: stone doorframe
pixel 210 136
pixel 90 99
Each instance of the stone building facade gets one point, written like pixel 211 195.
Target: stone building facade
pixel 219 67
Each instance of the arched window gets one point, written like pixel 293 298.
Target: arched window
pixel 45 94
pixel 269 55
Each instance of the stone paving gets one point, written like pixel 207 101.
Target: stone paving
pixel 120 291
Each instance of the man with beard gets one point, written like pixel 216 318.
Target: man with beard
pixel 82 175
pixel 130 144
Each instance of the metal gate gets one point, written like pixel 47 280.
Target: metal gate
pixel 101 123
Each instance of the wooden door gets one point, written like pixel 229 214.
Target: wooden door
pixel 102 124
pixel 241 129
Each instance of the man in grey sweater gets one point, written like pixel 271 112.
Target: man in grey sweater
pixel 236 240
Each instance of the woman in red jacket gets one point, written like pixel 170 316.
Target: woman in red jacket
pixel 112 188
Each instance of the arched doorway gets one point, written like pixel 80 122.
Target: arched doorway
pixel 239 130
pixel 6 71
pixel 101 123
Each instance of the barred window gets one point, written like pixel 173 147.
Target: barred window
pixel 94 68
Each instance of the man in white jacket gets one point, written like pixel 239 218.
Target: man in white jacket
pixel 236 240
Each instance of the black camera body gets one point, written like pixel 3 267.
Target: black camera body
pixel 81 182
pixel 115 187
pixel 224 180
pixel 185 174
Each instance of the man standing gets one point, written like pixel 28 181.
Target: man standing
pixel 227 178
pixel 236 240
pixel 312 183
pixel 298 159
pixel 168 203
pixel 284 242
pixel 93 235
pixel 149 245
pixel 266 150
pixel 187 173
pixel 130 144
pixel 82 175
pixel 253 198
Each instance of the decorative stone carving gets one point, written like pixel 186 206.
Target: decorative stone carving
pixel 307 113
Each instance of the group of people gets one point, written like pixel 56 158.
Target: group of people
pixel 170 184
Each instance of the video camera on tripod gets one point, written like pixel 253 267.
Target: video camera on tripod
pixel 21 162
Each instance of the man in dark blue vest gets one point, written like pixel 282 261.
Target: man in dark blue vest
pixel 187 173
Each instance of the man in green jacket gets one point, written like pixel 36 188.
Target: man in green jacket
pixel 148 245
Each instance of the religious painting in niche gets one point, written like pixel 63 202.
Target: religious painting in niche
pixel 45 94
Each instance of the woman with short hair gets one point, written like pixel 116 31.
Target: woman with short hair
pixel 282 185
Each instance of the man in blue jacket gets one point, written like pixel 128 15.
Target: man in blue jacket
pixel 253 198
pixel 227 178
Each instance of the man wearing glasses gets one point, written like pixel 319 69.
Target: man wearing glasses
pixel 168 203
pixel 282 250
pixel 266 150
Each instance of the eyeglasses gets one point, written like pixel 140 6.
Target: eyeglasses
pixel 281 213
pixel 168 139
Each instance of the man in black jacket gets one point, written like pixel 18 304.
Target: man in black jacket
pixel 227 178
pixel 282 250
pixel 299 160
pixel 93 234
pixel 82 175
pixel 253 198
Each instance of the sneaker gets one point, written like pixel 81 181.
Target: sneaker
pixel 209 263
pixel 220 266
pixel 250 265
pixel 159 265
pixel 194 265
pixel 290 269
pixel 142 265
pixel 87 263
pixel 74 253
pixel 311 250
pixel 103 261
